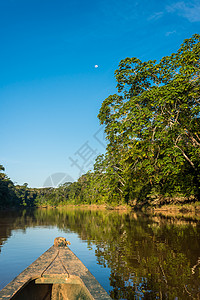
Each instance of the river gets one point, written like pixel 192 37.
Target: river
pixel 132 255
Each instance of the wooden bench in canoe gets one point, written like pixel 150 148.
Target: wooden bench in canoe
pixel 56 275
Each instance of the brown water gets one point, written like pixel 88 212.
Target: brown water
pixel 133 256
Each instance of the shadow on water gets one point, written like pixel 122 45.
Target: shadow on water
pixel 150 256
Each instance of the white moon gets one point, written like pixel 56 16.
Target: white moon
pixel 96 66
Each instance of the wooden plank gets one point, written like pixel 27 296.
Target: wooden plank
pixel 61 279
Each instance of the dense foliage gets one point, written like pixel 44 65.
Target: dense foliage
pixel 153 130
pixel 153 125
pixel 15 195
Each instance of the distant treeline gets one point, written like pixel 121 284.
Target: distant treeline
pixel 153 131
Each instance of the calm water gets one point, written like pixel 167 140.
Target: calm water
pixel 133 256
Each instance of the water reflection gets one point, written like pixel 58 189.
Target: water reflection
pixel 150 257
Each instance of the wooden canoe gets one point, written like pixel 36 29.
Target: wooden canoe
pixel 56 275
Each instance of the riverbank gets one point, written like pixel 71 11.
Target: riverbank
pixel 124 207
pixel 185 208
pixel 186 211
pixel 171 208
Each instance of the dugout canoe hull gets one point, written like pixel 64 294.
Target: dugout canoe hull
pixel 56 275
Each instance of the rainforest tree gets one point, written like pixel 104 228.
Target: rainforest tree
pixel 153 123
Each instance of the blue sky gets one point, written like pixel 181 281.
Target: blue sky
pixel 50 90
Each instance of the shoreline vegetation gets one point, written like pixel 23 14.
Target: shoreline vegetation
pixel 187 212
pixel 152 127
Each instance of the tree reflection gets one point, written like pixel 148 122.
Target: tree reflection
pixel 149 257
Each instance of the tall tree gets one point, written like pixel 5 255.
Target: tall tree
pixel 153 124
